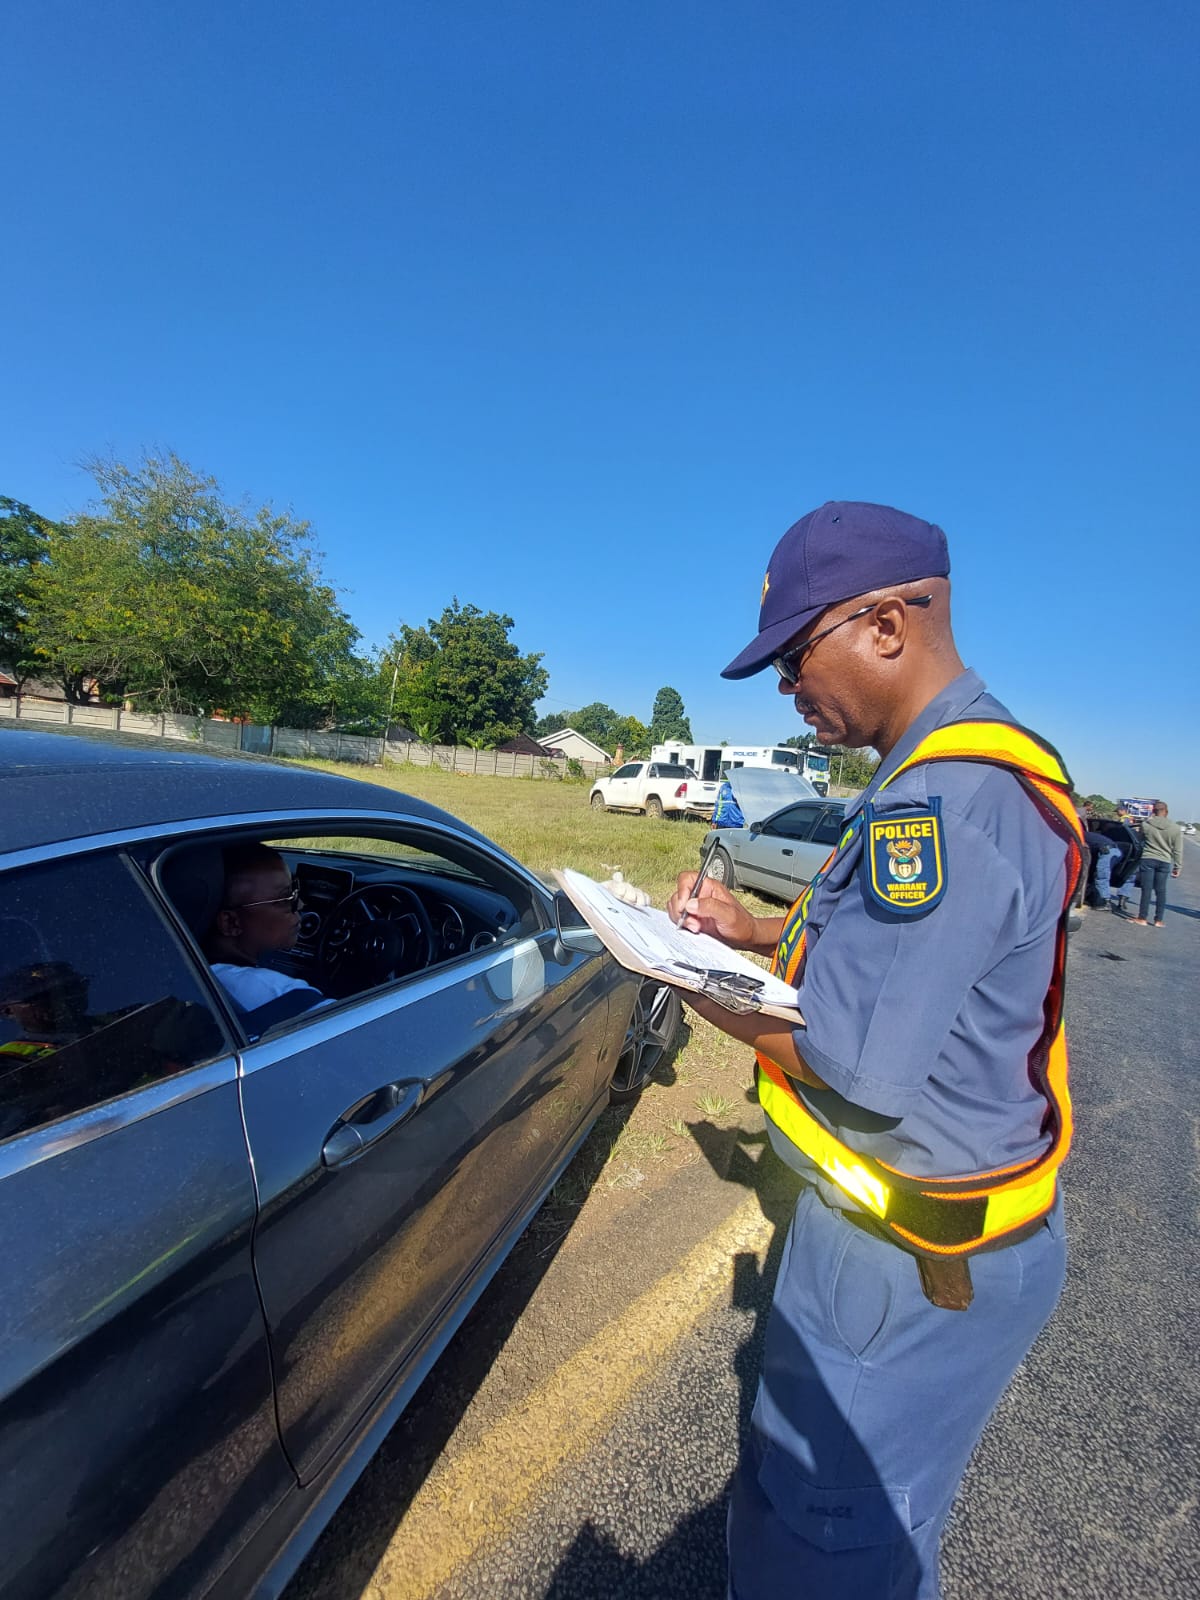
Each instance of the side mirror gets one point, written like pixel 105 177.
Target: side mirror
pixel 572 936
pixel 756 828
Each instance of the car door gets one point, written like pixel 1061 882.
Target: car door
pixel 400 1139
pixel 624 786
pixel 766 860
pixel 810 854
pixel 138 1443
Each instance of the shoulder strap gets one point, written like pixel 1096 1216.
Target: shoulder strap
pixel 999 742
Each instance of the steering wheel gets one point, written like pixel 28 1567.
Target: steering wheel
pixel 376 934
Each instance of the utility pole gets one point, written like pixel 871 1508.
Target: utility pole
pixel 392 697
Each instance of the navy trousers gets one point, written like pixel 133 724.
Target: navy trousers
pixel 870 1403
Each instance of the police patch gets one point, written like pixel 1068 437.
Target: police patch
pixel 904 857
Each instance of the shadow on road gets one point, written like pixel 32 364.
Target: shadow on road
pixel 340 1566
pixel 692 1561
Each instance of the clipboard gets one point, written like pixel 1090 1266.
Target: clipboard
pixel 645 940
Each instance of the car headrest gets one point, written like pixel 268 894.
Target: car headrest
pixel 194 879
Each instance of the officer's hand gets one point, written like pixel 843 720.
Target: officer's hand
pixel 716 912
pixel 1174 874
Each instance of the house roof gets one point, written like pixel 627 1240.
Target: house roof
pixel 522 744
pixel 551 739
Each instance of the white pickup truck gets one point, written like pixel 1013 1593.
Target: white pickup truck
pixel 659 788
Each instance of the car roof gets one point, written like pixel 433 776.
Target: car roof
pixel 68 785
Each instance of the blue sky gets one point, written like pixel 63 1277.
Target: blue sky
pixel 571 311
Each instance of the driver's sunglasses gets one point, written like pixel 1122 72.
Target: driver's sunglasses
pixel 790 664
pixel 291 901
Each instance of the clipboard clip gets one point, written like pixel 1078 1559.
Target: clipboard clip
pixel 736 991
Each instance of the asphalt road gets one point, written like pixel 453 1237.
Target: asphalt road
pixel 578 1439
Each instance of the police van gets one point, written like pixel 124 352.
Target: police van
pixel 715 761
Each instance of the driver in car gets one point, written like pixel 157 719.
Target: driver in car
pixel 260 913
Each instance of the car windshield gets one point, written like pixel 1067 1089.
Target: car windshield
pixel 762 790
pixel 413 858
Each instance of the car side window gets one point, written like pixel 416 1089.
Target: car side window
pixel 795 823
pixel 95 998
pixel 629 770
pixel 830 828
pixel 365 911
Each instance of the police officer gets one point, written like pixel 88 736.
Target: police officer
pixel 924 1099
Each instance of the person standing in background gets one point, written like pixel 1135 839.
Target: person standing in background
pixel 1161 853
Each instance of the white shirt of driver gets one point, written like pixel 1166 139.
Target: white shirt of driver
pixel 251 987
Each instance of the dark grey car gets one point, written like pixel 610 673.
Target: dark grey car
pixel 233 1249
pixel 775 855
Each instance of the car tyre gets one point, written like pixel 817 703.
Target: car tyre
pixel 654 808
pixel 597 802
pixel 720 867
pixel 652 1029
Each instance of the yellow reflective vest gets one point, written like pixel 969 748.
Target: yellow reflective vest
pixel 952 1215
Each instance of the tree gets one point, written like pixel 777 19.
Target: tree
pixel 1099 806
pixel 800 741
pixel 667 720
pixel 603 726
pixel 852 769
pixel 461 678
pixel 596 722
pixel 177 601
pixel 23 536
pixel 633 736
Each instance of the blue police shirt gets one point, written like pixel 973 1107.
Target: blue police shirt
pixel 921 1025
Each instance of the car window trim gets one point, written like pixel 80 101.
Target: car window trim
pixel 51 1139
pixel 214 990
pixel 177 830
pixel 323 1023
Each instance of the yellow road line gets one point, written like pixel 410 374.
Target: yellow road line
pixel 478 1496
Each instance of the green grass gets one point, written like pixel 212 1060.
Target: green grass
pixel 548 824
pixel 714 1105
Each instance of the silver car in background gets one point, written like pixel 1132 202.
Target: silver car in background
pixel 775 855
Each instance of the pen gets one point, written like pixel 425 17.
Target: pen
pixel 696 886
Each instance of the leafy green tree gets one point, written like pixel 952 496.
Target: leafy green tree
pixel 178 601
pixel 801 741
pixel 1099 805
pixel 601 724
pixel 633 736
pixel 667 720
pixel 461 678
pixel 852 768
pixel 597 722
pixel 23 536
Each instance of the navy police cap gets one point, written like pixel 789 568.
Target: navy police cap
pixel 842 549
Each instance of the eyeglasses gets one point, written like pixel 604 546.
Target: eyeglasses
pixel 790 664
pixel 291 901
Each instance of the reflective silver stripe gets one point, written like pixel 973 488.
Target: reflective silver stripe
pixel 24 1150
pixel 319 1025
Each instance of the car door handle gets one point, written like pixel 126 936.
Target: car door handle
pixel 371 1119
pixel 785 852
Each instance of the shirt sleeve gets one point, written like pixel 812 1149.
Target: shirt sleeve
pixel 881 991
